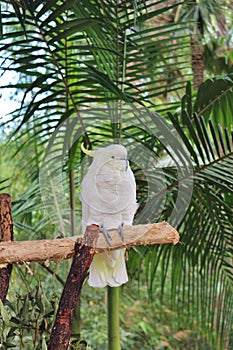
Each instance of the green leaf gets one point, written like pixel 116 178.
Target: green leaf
pixel 4 313
pixel 215 96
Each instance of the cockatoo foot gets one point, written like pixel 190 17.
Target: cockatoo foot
pixel 120 231
pixel 106 235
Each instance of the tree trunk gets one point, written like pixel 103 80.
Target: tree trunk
pixel 197 60
pixel 6 230
pixel 83 255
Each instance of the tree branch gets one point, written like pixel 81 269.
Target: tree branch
pixel 6 231
pixel 83 255
pixel 53 249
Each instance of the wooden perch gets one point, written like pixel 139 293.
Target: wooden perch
pixel 53 249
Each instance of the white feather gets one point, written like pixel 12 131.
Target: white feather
pixel 108 195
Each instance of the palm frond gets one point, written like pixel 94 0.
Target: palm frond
pixel 202 262
pixel 214 101
pixel 78 39
pixel 4 184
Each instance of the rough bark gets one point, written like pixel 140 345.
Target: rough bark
pixel 83 255
pixel 53 249
pixel 6 230
pixel 197 60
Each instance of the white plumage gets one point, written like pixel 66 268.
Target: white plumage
pixel 108 195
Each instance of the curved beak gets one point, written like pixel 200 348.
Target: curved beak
pixel 126 163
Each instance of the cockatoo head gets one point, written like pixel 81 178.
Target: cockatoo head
pixel 113 157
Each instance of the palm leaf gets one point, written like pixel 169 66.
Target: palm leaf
pixel 66 58
pixel 201 263
pixel 4 185
pixel 52 47
pixel 214 99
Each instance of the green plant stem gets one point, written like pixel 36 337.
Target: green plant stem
pixel 76 324
pixel 113 318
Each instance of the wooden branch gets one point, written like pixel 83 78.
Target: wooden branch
pixel 6 230
pixel 149 234
pixel 83 255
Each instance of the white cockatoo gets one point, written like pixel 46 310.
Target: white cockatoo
pixel 108 196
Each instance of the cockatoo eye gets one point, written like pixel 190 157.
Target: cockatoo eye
pixel 113 157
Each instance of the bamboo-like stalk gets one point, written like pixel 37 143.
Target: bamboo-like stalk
pixel 113 318
pixel 76 323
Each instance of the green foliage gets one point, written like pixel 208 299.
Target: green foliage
pixel 27 317
pixel 26 321
pixel 144 324
pixel 214 99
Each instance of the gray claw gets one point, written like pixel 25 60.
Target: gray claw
pixel 106 235
pixel 120 231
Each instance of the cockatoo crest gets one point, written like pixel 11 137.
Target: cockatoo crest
pixel 113 156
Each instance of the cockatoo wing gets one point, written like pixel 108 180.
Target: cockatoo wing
pixel 130 210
